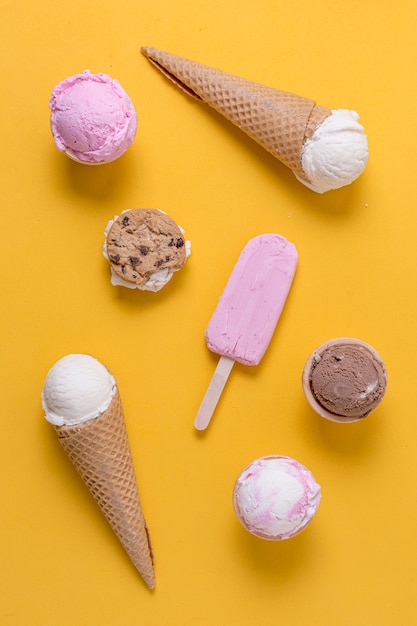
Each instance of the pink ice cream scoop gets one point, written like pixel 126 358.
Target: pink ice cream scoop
pixel 275 497
pixel 93 120
pixel 248 311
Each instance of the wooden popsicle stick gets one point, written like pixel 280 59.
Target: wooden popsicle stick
pixel 213 393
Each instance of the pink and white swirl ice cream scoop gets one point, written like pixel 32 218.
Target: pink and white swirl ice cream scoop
pixel 276 497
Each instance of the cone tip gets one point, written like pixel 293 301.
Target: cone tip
pixel 148 572
pixel 150 582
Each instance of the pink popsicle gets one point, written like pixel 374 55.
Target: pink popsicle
pixel 248 311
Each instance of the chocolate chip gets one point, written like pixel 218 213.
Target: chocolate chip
pixel 125 220
pixel 180 242
pixel 134 260
pixel 167 258
pixel 144 250
pixel 159 262
pixel 172 242
pixel 115 258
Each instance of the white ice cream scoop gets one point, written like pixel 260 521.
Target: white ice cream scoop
pixel 77 388
pixel 336 154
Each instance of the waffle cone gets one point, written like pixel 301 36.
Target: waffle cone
pixel 277 120
pixel 100 451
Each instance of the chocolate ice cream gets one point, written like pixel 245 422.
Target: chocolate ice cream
pixel 344 379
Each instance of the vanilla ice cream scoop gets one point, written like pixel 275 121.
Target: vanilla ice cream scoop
pixel 78 388
pixel 336 154
pixel 275 497
pixel 93 120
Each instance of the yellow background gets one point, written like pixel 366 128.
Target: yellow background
pixel 356 563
